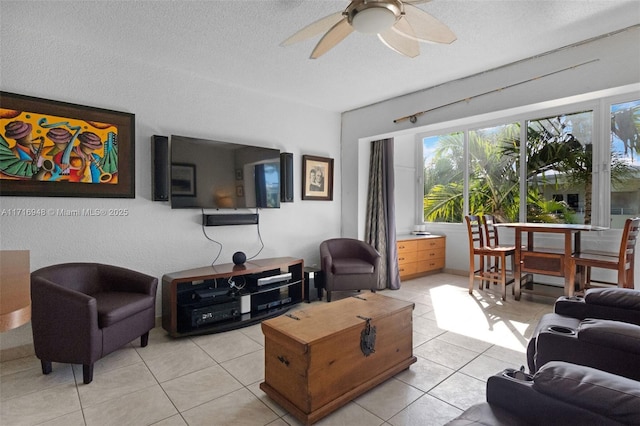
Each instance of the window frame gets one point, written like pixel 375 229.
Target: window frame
pixel 600 107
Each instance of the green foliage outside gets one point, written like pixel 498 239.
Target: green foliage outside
pixel 558 152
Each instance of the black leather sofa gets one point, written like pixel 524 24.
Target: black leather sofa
pixel 559 393
pixel 584 361
pixel 599 330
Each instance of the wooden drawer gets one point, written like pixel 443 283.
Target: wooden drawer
pixel 405 246
pixel 407 269
pixel 407 257
pixel 430 254
pixel 314 362
pixel 431 243
pixel 430 265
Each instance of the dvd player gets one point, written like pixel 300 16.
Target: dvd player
pixel 273 279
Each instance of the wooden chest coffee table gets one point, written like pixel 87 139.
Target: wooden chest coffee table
pixel 320 358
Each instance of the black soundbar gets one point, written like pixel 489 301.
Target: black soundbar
pixel 229 219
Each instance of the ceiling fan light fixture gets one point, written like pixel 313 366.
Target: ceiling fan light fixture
pixel 373 20
pixel 373 17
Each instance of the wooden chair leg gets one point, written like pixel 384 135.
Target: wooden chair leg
pixel 87 373
pixel 483 270
pixel 328 296
pixel 573 270
pixel 587 282
pixel 503 278
pixel 471 278
pixel 46 366
pixel 472 272
pixel 144 340
pixel 630 281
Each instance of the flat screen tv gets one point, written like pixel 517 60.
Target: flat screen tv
pixel 212 174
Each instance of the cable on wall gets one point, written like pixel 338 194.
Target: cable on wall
pixel 260 238
pixel 212 240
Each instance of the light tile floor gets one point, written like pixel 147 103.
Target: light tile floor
pixel 459 339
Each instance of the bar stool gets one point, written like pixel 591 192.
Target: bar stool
pixel 622 261
pixel 497 272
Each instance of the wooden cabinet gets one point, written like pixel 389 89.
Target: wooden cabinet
pixel 420 255
pixel 15 285
pixel 321 357
pixel 224 297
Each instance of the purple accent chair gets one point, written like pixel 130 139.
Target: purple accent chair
pixel 81 312
pixel 349 264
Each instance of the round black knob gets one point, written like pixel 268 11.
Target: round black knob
pixel 239 258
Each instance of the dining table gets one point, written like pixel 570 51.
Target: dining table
pixel 552 261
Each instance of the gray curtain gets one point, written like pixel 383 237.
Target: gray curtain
pixel 380 226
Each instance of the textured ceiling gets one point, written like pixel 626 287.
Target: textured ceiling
pixel 237 42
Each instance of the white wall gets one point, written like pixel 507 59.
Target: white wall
pixel 613 62
pixel 153 238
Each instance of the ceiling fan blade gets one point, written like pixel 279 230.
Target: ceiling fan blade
pixel 318 27
pixel 426 27
pixel 401 44
pixel 335 35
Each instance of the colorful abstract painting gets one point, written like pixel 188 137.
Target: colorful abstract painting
pixel 50 148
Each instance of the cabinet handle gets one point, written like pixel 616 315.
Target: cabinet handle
pixel 283 360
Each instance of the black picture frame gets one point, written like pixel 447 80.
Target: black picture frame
pixel 109 176
pixel 317 178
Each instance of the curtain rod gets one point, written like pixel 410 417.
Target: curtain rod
pixel 414 117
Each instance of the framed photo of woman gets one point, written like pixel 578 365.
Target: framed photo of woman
pixel 317 178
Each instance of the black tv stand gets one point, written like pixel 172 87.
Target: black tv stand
pixel 219 298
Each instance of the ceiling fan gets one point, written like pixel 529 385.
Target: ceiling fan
pixel 398 23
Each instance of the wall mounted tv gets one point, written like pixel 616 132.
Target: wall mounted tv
pixel 221 175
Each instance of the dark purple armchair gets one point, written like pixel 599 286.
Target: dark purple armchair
pixel 81 312
pixel 349 264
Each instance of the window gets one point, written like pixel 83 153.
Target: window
pixel 480 169
pixel 444 168
pixel 625 162
pixel 559 159
pixel 493 171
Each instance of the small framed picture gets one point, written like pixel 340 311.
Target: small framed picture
pixel 183 180
pixel 239 191
pixel 317 178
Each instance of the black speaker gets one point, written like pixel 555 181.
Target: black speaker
pixel 286 177
pixel 160 168
pixel 229 219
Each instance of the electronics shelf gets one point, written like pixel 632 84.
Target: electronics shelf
pixel 218 298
